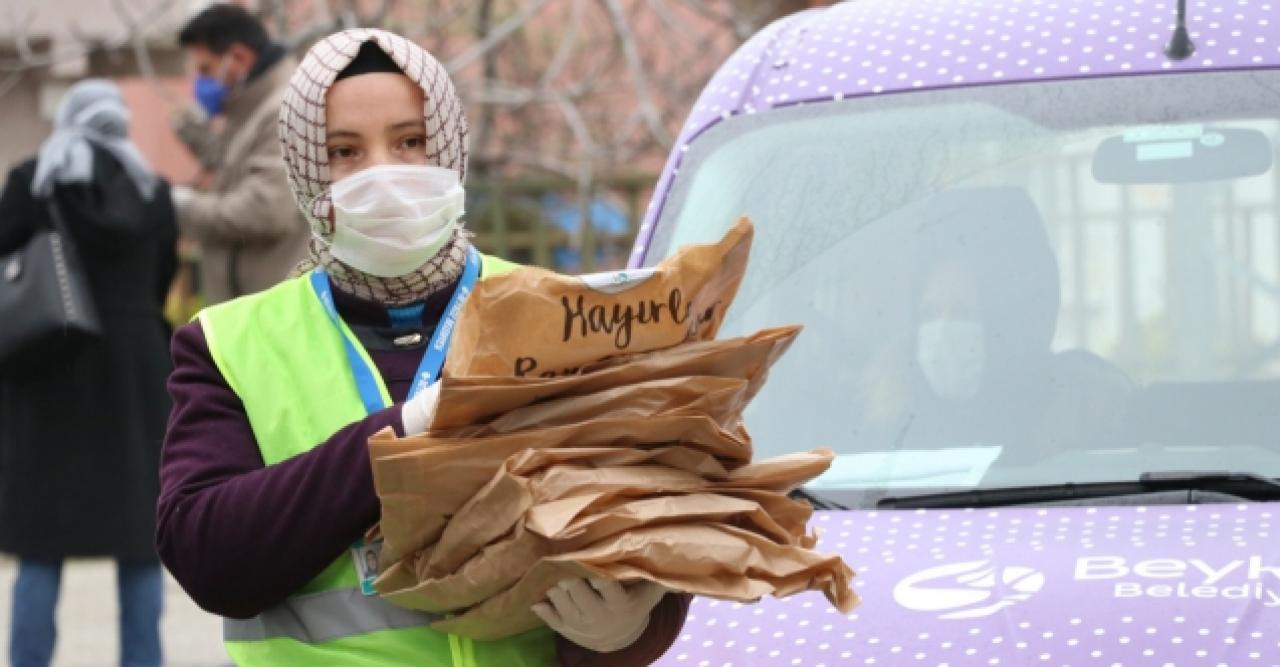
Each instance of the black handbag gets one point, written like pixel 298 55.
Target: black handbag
pixel 45 304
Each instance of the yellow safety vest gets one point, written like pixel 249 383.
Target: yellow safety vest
pixel 280 353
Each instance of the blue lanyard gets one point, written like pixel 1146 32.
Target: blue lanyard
pixel 432 359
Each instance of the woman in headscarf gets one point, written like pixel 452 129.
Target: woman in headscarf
pixel 80 433
pixel 266 483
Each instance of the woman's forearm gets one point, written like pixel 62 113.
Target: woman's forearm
pixel 238 536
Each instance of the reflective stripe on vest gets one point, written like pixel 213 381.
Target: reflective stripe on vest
pixel 315 618
pixel 284 359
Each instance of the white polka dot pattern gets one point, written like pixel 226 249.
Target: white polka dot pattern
pixel 870 47
pixel 1170 585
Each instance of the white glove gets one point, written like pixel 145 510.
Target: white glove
pixel 182 196
pixel 416 413
pixel 601 616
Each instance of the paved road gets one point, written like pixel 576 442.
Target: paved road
pixel 87 630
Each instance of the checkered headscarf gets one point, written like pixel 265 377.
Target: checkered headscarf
pixel 302 133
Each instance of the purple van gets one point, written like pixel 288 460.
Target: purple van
pixel 1035 245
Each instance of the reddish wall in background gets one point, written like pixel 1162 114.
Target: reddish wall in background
pixel 151 128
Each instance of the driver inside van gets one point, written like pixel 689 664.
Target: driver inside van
pixel 976 366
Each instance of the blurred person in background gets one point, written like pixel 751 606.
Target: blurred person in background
pixel 978 365
pixel 266 460
pixel 248 231
pixel 80 438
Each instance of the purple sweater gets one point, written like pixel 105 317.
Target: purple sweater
pixel 220 507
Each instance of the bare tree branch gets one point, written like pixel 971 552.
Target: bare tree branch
pixel 141 54
pixel 273 12
pixel 668 19
pixel 374 18
pixel 498 36
pixel 500 93
pixel 326 19
pixel 484 128
pixel 22 40
pixel 638 74
pixel 573 116
pixel 725 19
pixel 543 162
pixel 568 42
pixel 439 17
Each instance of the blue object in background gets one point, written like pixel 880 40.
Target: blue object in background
pixel 606 218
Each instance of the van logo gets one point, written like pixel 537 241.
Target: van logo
pixel 972 589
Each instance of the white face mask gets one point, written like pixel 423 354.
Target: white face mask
pixel 952 353
pixel 390 219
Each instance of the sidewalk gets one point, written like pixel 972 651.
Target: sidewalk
pixel 87 612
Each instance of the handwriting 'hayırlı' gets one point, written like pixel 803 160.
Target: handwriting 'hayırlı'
pixel 583 319
pixel 544 324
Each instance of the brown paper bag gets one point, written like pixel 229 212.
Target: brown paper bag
pixel 712 560
pixel 489 515
pixel 467 401
pixel 629 514
pixel 555 497
pixel 501 504
pixel 422 481
pixel 722 399
pixel 783 473
pixel 573 503
pixel 792 515
pixel 498 566
pixel 536 323
pixel 507 499
pixel 680 458
pixel 484 576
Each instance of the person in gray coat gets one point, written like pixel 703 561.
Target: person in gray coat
pixel 249 232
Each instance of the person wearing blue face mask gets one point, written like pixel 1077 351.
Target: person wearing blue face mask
pixel 248 231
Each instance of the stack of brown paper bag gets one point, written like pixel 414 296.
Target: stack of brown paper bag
pixel 592 427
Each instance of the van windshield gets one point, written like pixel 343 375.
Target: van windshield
pixel 1026 284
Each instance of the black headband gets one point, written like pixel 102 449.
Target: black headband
pixel 370 60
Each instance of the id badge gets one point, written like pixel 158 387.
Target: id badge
pixel 365 555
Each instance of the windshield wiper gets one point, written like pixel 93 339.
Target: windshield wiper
pixel 1246 486
pixel 818 502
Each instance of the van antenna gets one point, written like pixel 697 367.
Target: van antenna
pixel 1180 47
